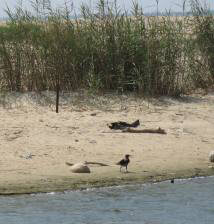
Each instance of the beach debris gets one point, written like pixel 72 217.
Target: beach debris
pixel 69 164
pixel 120 125
pixel 211 157
pixel 179 114
pixel 124 162
pixel 88 163
pixel 80 168
pixel 96 163
pixel 28 156
pixel 153 131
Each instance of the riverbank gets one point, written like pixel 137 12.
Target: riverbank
pixel 35 142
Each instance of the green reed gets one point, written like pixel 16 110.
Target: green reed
pixel 109 49
pixel 204 44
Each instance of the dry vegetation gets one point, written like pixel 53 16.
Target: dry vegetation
pixel 109 50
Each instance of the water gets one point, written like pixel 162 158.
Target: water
pixel 185 202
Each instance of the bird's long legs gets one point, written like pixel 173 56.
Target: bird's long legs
pixel 122 167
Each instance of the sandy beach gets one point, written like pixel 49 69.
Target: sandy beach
pixel 36 142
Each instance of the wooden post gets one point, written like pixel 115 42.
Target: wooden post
pixel 57 95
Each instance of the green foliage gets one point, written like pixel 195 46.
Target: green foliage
pixel 204 32
pixel 106 50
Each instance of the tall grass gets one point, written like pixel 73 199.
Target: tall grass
pixel 105 49
pixel 204 33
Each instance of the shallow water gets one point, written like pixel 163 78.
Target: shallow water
pixel 184 202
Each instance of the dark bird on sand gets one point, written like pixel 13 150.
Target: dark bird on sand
pixel 124 162
pixel 122 125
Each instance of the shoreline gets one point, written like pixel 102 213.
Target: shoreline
pixel 64 184
pixel 35 142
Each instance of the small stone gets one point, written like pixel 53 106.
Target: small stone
pixel 93 142
pixel 80 168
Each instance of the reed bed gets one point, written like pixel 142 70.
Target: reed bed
pixel 106 50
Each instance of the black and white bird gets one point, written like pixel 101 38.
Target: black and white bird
pixel 124 162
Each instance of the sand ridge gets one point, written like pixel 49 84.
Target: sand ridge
pixel 35 142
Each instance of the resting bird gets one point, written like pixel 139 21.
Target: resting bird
pixel 122 125
pixel 124 162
